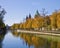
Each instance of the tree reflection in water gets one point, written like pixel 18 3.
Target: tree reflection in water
pixel 2 34
pixel 37 42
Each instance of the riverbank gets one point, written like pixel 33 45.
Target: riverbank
pixel 50 33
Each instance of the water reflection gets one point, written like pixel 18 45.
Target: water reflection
pixel 2 34
pixel 37 42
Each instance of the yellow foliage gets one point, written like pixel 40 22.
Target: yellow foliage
pixel 39 21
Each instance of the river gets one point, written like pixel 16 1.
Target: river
pixel 13 39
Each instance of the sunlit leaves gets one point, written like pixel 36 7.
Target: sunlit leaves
pixel 48 22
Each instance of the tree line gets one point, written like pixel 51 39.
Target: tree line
pixel 40 21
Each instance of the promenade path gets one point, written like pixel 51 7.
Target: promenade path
pixel 52 33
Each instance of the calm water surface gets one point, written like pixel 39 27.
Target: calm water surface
pixel 21 40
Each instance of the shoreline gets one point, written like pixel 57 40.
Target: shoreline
pixel 50 33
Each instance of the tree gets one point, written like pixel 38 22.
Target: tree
pixel 58 19
pixel 29 22
pixel 2 13
pixel 29 15
pixel 54 19
pixel 37 14
pixel 48 22
pixel 26 17
pixel 44 12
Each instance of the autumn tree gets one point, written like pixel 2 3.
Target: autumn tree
pixel 29 22
pixel 48 23
pixel 36 20
pixel 44 12
pixel 58 19
pixel 54 20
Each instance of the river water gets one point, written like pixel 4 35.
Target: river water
pixel 21 40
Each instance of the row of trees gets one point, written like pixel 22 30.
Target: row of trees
pixel 2 13
pixel 40 21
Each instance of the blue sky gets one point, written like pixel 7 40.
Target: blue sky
pixel 18 9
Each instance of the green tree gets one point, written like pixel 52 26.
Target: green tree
pixel 37 14
pixel 2 13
